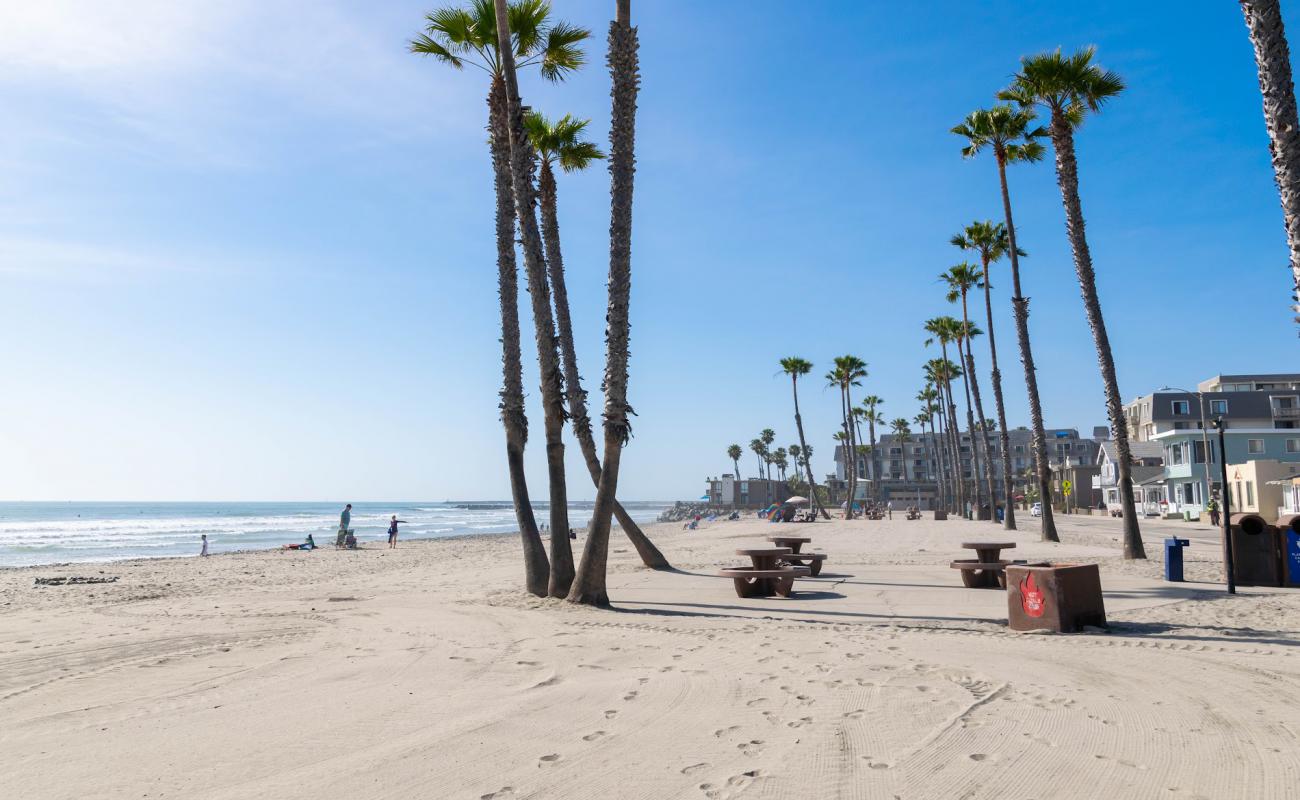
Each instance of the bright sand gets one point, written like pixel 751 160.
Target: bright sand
pixel 427 673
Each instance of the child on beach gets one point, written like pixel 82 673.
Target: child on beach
pixel 345 519
pixel 204 550
pixel 392 532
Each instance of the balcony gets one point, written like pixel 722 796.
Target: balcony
pixel 1281 412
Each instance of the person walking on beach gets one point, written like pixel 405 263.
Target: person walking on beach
pixel 345 519
pixel 392 532
pixel 890 508
pixel 204 550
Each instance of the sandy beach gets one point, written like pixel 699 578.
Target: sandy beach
pixel 426 672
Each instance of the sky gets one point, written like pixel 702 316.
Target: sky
pixel 246 248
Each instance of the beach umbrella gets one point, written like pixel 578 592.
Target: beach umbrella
pixel 796 500
pixel 705 497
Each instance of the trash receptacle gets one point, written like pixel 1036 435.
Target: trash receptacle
pixel 1256 554
pixel 1057 597
pixel 1174 558
pixel 1289 527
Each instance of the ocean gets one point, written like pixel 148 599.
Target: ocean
pixel 51 533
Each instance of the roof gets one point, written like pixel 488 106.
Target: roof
pixel 1143 475
pixel 1135 449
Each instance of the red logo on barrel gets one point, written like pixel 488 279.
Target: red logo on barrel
pixel 1031 597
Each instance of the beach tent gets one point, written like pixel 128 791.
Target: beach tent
pixel 796 500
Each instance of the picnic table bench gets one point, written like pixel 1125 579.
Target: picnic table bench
pixel 988 569
pixel 796 558
pixel 767 576
pixel 913 514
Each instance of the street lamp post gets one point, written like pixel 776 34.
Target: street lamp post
pixel 1228 564
pixel 1205 440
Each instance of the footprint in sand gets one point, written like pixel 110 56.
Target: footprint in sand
pixel 528 663
pixel 720 732
pixel 876 764
pixel 548 759
pixel 857 714
pixel 630 696
pixel 799 723
pixel 751 748
pixel 500 794
pixel 756 701
pixel 693 768
pixel 611 713
pixel 593 736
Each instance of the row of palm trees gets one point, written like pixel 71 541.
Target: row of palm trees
pixel 501 38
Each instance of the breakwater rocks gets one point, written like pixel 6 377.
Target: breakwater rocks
pixel 683 510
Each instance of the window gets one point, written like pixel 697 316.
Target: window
pixel 1175 454
pixel 895 451
pixel 916 451
pixel 1218 407
pixel 1198 452
pixel 1181 408
pixel 1020 448
pixel 1293 445
pixel 1250 493
pixel 1254 446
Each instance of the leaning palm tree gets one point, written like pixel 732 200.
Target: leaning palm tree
pixel 589 584
pixel 869 404
pixel 523 166
pixel 734 453
pixel 561 143
pixel 1069 87
pixel 1273 60
pixel 468 35
pixel 1012 136
pixel 796 368
pixel 990 241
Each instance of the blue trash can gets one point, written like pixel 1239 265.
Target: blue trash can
pixel 1174 559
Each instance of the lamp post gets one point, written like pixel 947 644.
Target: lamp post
pixel 1228 564
pixel 1205 440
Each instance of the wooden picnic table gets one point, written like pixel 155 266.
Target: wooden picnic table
pixel 987 570
pixel 792 542
pixel 767 576
pixel 765 557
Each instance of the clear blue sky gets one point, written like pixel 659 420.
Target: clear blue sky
pixel 246 249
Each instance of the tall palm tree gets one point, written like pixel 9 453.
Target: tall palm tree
pixel 1012 136
pixel 902 435
pixel 734 453
pixel 944 331
pixel 869 405
pixel 523 167
pixel 760 451
pixel 780 461
pixel 848 372
pixel 589 584
pixel 1273 60
pixel 930 397
pixel 561 143
pixel 768 436
pixel 1069 87
pixel 990 241
pixel 796 368
pixel 961 278
pixel 460 36
pixel 922 420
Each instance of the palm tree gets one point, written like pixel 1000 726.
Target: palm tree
pixel 523 166
pixel 1069 87
pixel 780 462
pixel 768 436
pixel 734 453
pixel 796 368
pixel 759 450
pixel 902 435
pixel 931 397
pixel 1273 60
pixel 848 372
pixel 944 330
pixel 869 405
pixel 461 36
pixel 589 584
pixel 961 278
pixel 1012 136
pixel 561 143
pixel 990 241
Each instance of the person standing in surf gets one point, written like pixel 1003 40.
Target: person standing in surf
pixel 345 519
pixel 392 532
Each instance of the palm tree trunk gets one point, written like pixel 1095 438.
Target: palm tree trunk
pixel 1004 441
pixel 578 417
pixel 589 586
pixel 854 438
pixel 974 493
pixel 522 169
pixel 513 416
pixel 875 458
pixel 1273 60
pixel 803 450
pixel 1020 304
pixel 986 467
pixel 1067 177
